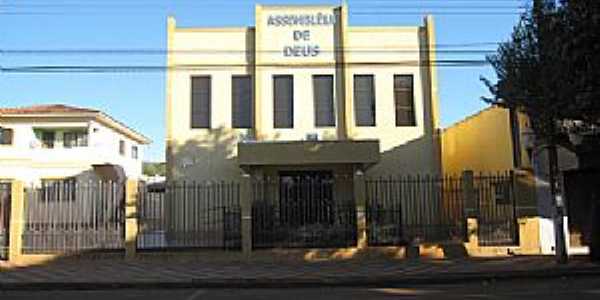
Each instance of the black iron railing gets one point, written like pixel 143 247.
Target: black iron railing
pixel 304 210
pixel 412 209
pixel 497 221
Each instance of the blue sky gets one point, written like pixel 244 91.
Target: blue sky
pixel 137 98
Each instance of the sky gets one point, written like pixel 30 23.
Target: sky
pixel 138 98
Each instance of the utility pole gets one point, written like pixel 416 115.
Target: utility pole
pixel 556 195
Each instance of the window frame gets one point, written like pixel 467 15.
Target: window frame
pixel 315 101
pixel 44 141
pixel 234 123
pixel 76 135
pixel 373 104
pixel 209 103
pixel 291 106
pixel 134 152
pixel 404 108
pixel 3 135
pixel 122 147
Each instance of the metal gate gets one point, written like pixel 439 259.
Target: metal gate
pixel 413 209
pixel 497 222
pixel 190 215
pixel 5 196
pixel 303 210
pixel 67 216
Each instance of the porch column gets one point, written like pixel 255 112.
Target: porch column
pixel 360 198
pixel 246 207
pixel 131 218
pixel 17 220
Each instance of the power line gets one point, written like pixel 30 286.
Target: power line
pixel 156 68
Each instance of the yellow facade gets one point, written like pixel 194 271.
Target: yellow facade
pixel 481 143
pixel 344 51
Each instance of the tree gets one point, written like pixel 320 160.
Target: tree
pixel 549 70
pixel 154 169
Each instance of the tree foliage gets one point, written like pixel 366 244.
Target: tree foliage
pixel 550 68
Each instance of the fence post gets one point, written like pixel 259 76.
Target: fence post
pixel 360 193
pixel 131 218
pixel 246 199
pixel 468 194
pixel 471 208
pixel 17 220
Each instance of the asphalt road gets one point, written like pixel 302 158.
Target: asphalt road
pixel 565 288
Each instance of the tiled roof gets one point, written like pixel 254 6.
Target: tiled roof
pixel 42 109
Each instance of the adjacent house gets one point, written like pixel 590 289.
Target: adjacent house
pixel 498 139
pixel 301 93
pixel 44 143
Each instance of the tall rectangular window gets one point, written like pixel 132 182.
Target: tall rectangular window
pixel 134 152
pixel 404 100
pixel 6 136
pixel 241 102
pixel 201 94
pixel 323 98
pixel 283 98
pixel 364 100
pixel 122 147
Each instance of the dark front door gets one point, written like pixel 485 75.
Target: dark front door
pixel 306 199
pixel 4 219
pixel 581 190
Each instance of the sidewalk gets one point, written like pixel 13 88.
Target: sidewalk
pixel 160 273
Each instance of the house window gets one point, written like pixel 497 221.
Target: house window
pixel 75 139
pixel 122 147
pixel 6 136
pixel 201 95
pixel 134 152
pixel 48 138
pixel 283 98
pixel 404 100
pixel 241 102
pixel 54 190
pixel 323 98
pixel 364 100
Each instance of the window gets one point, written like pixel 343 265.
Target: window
pixel 75 139
pixel 241 102
pixel 55 190
pixel 48 139
pixel 6 136
pixel 134 152
pixel 323 98
pixel 364 100
pixel 122 147
pixel 283 97
pixel 404 100
pixel 201 95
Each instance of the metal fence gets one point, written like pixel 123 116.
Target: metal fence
pixel 187 215
pixel 301 210
pixel 497 222
pixel 5 197
pixel 67 216
pixel 402 210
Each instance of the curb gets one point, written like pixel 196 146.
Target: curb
pixel 271 283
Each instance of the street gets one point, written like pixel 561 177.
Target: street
pixel 565 288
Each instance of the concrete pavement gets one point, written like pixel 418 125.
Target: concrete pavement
pixel 553 289
pixel 188 273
